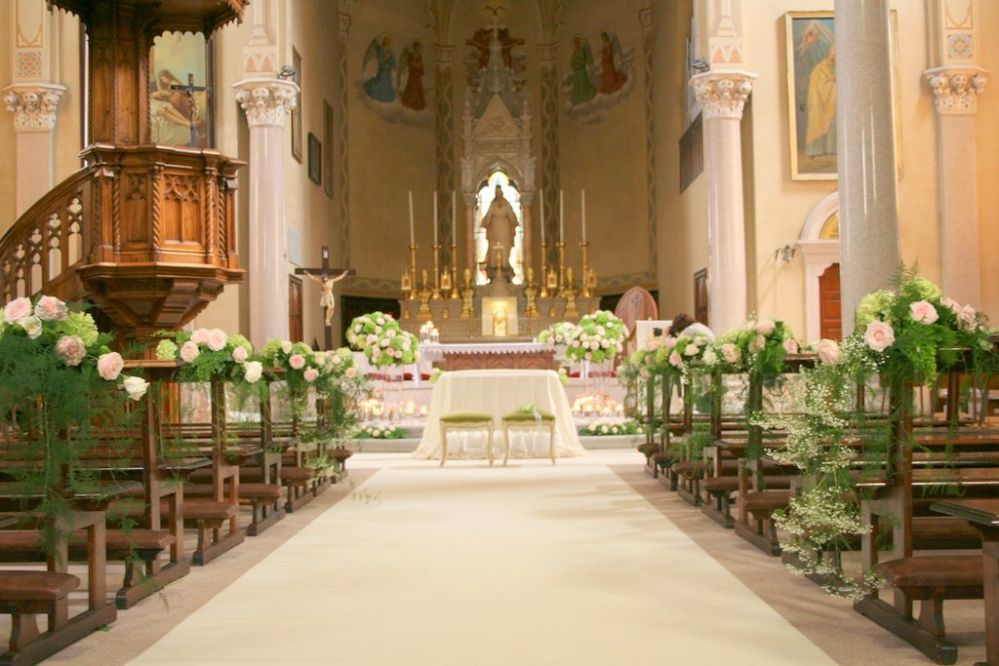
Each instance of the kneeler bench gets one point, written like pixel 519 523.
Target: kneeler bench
pixel 296 480
pixel 25 594
pixel 204 515
pixel 263 498
pixel 760 505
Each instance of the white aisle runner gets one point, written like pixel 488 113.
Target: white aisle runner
pixel 470 565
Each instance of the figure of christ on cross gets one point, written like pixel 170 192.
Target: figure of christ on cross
pixel 192 99
pixel 327 277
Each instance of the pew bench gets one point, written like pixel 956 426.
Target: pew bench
pixel 26 594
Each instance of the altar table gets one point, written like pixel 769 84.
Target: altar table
pixel 506 354
pixel 499 392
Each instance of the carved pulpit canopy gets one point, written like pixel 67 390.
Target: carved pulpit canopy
pixel 205 16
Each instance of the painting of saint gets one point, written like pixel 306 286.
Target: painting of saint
pixel 379 87
pixel 411 68
pixel 594 86
pixel 812 53
pixel 581 63
pixel 179 118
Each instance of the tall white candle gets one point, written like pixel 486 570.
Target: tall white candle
pixel 412 233
pixel 582 202
pixel 542 200
pixel 561 216
pixel 454 217
pixel 435 217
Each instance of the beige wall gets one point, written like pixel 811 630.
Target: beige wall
pixel 988 161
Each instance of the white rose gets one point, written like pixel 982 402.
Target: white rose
pixel 200 336
pixel 31 325
pixel 252 371
pixel 135 387
pixel 239 354
pixel 19 308
pixel 189 351
pixel 216 339
pixel 286 346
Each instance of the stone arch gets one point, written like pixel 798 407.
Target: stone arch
pixel 819 245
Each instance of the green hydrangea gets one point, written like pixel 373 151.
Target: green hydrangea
pixel 238 340
pixel 166 350
pixel 81 324
pixel 876 306
pixel 923 289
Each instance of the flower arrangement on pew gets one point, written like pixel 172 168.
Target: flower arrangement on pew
pixel 59 383
pixel 206 354
pixel 382 340
pixel 761 347
pixel 903 336
pixel 597 338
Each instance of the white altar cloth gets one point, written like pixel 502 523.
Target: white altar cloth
pixel 435 351
pixel 499 392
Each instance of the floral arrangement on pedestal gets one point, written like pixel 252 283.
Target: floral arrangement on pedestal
pixel 383 342
pixel 206 354
pixel 597 338
pixel 558 334
pixel 60 384
pixel 903 336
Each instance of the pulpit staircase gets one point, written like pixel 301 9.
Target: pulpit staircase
pixel 145 232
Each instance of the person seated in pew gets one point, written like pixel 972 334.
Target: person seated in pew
pixel 684 323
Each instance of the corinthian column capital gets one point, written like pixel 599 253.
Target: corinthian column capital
pixel 723 93
pixel 33 105
pixel 266 101
pixel 956 88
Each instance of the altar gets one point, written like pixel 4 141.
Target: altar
pixel 490 354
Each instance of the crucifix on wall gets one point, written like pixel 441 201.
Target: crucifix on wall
pixel 327 277
pixel 192 100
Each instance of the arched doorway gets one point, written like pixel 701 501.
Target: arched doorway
pixel 819 245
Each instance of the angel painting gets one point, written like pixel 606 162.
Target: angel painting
pixel 380 86
pixel 411 71
pixel 597 82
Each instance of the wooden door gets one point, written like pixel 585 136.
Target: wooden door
pixel 296 329
pixel 830 317
pixel 701 296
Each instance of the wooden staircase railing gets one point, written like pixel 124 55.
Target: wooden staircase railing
pixel 146 232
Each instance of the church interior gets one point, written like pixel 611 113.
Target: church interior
pixel 499 332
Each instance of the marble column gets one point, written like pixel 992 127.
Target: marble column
pixel 527 227
pixel 267 103
pixel 34 107
pixel 955 91
pixel 722 95
pixel 869 242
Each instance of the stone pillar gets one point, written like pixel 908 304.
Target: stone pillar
pixel 267 102
pixel 444 130
pixel 527 247
pixel 34 107
pixel 550 166
pixel 470 198
pixel 722 95
pixel 869 243
pixel 955 91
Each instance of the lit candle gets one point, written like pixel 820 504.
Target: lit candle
pixel 454 218
pixel 561 216
pixel 435 217
pixel 582 202
pixel 542 218
pixel 412 235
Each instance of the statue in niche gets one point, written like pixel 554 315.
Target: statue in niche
pixel 411 68
pixel 379 87
pixel 500 223
pixel 592 87
pixel 582 89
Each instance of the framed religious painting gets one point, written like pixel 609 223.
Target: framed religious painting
pixel 181 110
pixel 296 113
pixel 315 159
pixel 811 91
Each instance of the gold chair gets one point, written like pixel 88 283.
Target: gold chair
pixel 529 420
pixel 468 421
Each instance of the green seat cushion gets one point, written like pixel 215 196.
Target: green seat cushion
pixel 528 417
pixel 467 417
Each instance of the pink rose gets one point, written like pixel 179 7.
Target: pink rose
pixel 758 344
pixel 19 308
pixel 189 351
pixel 200 336
pixel 110 365
pixel 594 345
pixel 730 352
pixel 675 360
pixel 72 349
pixel 790 346
pixel 967 319
pixel 216 339
pixel 951 304
pixel 588 355
pixel 670 342
pixel 239 354
pixel 691 349
pixel 311 375
pixel 50 308
pixel 296 361
pixel 923 312
pixel 350 373
pixel 828 352
pixel 879 336
pixel 766 327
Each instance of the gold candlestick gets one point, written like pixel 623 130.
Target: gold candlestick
pixel 561 264
pixel 585 292
pixel 454 271
pixel 531 292
pixel 544 269
pixel 436 294
pixel 412 271
pixel 467 306
pixel 425 293
pixel 569 291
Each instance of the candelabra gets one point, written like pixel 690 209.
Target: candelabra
pixel 425 294
pixel 531 292
pixel 436 294
pixel 544 269
pixel 445 289
pixel 569 292
pixel 467 305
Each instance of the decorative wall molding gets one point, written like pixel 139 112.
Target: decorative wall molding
pixel 266 101
pixel 34 105
pixel 341 119
pixel 723 93
pixel 444 117
pixel 648 43
pixel 956 88
pixel 547 54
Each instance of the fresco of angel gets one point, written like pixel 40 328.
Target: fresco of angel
pixel 597 81
pixel 409 78
pixel 380 86
pixel 582 88
pixel 612 78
